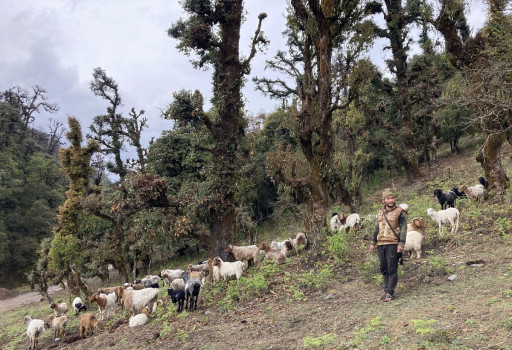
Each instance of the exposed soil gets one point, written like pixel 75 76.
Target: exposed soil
pixel 12 300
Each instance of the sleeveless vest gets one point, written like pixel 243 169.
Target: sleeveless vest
pixel 386 236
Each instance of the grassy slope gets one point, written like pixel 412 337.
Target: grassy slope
pixel 296 310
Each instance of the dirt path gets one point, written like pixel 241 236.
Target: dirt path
pixel 25 299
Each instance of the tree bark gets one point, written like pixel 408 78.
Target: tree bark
pixel 490 159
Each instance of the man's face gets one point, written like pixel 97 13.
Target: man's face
pixel 389 201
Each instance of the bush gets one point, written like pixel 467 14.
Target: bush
pixel 338 246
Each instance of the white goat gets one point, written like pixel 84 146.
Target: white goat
pixel 335 222
pixel 58 324
pixel 178 284
pixel 449 216
pixel 229 269
pixel 249 253
pixel 34 329
pixel 135 300
pixel 59 309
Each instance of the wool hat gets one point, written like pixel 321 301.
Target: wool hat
pixel 387 192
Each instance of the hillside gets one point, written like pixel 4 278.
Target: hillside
pixel 313 302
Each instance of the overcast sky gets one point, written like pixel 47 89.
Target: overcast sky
pixel 56 44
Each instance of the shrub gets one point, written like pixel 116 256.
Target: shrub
pixel 338 245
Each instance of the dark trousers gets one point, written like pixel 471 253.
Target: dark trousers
pixel 389 266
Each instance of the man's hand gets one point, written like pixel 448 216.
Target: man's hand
pixel 399 249
pixel 371 248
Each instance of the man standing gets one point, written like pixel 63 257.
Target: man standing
pixel 389 234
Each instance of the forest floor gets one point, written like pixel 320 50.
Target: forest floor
pixel 471 310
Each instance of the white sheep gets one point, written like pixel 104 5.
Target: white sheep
pixel 241 253
pixel 229 269
pixel 448 216
pixel 170 275
pixel 476 191
pixel 352 221
pixel 59 309
pixel 58 324
pixel 335 222
pixel 413 244
pixel 139 319
pixel 35 328
pixel 135 300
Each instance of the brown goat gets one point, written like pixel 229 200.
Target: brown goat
pixel 272 253
pixel 88 322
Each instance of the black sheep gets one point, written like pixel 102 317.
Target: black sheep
pixel 177 296
pixel 446 199
pixel 459 194
pixel 192 288
pixel 484 182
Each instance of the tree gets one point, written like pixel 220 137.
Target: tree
pixel 65 251
pixel 484 64
pixel 212 31
pixel 325 39
pixel 398 19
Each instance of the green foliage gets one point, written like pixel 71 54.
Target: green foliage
pixel 504 226
pixel 315 342
pixel 64 250
pixel 369 268
pixel 384 340
pixel 247 288
pixel 423 327
pixel 437 266
pixel 338 246
pixel 362 333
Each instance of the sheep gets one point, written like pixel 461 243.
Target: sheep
pixel 34 329
pixel 58 324
pixel 192 289
pixel 178 284
pixel 413 243
pixel 150 281
pixel 483 182
pixel 199 271
pixel 404 207
pixel 169 275
pixel 136 300
pixel 78 305
pixel 228 269
pixel 281 245
pixel 476 191
pixel 272 253
pixel 335 222
pixel 59 309
pixel 177 296
pixel 458 193
pixel 351 221
pixel 417 224
pixel 448 216
pixel 88 323
pixel 241 253
pixel 445 199
pixel 300 239
pixel 108 290
pixel 139 319
pixel 203 266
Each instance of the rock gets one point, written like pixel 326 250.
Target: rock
pixel 452 277
pixel 477 265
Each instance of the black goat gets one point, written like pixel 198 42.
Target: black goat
pixel 484 182
pixel 177 296
pixel 446 199
pixel 459 194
